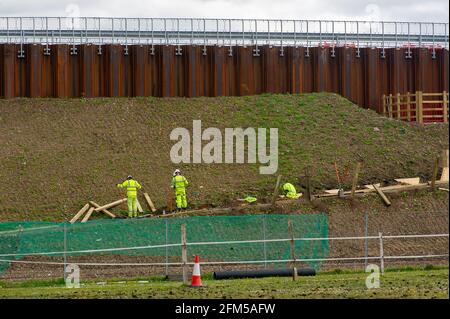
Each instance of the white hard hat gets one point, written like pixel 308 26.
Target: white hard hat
pixel 177 171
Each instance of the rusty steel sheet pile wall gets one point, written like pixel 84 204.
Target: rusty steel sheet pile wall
pixel 114 70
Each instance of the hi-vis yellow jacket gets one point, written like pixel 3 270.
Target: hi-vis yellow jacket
pixel 179 182
pixel 132 186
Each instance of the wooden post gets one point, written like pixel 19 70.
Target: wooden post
pixel 149 202
pixel 113 204
pixel 275 191
pixel 308 186
pixel 80 212
pixel 435 172
pixel 408 106
pixel 419 107
pixel 444 165
pixel 390 106
pixel 184 253
pixel 291 236
pixel 355 178
pixel 139 207
pixel 445 106
pixel 386 200
pixel 398 106
pixel 107 212
pixel 383 104
pixel 88 215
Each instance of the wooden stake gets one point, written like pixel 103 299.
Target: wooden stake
pixel 184 253
pixel 308 186
pixel 386 200
pixel 107 212
pixel 291 236
pixel 113 204
pixel 294 274
pixel 419 107
pixel 398 106
pixel 355 178
pixel 275 191
pixel 383 103
pixel 80 212
pixel 88 215
pixel 434 176
pixel 149 202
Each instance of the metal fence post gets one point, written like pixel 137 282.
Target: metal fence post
pixel 380 235
pixel 366 240
pixel 167 249
pixel 264 238
pixel 184 253
pixel 65 249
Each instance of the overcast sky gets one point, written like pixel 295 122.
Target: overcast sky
pixel 387 10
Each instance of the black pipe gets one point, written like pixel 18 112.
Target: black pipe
pixel 262 273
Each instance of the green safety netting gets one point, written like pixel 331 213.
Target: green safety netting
pixel 17 239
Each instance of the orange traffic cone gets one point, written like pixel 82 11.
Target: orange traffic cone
pixel 196 277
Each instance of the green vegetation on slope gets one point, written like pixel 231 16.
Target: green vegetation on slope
pixel 415 283
pixel 57 154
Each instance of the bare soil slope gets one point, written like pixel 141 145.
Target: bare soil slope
pixel 56 154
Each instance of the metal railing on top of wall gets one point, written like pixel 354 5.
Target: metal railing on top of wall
pixel 226 32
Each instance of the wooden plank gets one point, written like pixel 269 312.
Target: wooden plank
pixel 110 205
pixel 184 253
pixel 332 191
pixel 443 189
pixel 386 200
pixel 138 206
pixel 371 186
pixel 88 214
pixel 409 181
pixel 80 212
pixel 355 178
pixel 149 202
pixel 444 175
pixel 275 191
pixel 107 212
pixel 390 189
pixel 444 164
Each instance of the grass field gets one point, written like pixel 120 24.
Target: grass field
pixel 425 282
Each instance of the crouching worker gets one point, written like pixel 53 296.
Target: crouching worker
pixel 132 186
pixel 179 184
pixel 289 191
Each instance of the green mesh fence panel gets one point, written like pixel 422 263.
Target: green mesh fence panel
pixel 32 237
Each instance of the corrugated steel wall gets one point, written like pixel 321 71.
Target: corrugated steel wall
pixel 133 71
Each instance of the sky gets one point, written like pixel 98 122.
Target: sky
pixel 386 10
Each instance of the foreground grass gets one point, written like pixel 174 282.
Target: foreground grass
pixel 417 283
